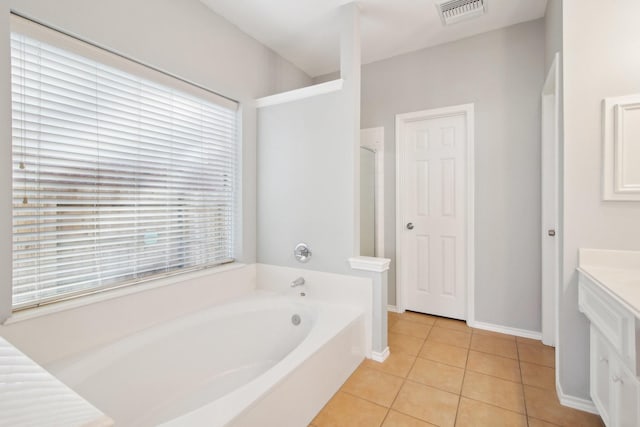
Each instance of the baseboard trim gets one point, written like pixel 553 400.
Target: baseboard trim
pixel 506 330
pixel 380 356
pixel 575 402
pixel 393 309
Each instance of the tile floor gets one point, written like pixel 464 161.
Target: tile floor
pixel 443 373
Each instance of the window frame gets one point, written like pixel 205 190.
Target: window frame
pixel 137 68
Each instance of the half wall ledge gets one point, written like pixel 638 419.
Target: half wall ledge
pixel 302 93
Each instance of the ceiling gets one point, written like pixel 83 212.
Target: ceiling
pixel 306 32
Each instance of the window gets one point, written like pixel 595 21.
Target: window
pixel 120 173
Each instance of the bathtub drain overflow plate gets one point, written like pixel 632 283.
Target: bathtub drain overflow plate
pixel 295 319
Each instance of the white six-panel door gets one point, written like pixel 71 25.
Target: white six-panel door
pixel 433 207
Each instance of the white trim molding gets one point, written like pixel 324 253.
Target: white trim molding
pixel 575 402
pixel 393 309
pixel 373 139
pixel 620 132
pixel 380 356
pixel 369 263
pixel 524 333
pixel 468 111
pixel 302 93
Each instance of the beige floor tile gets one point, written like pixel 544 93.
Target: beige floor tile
pixel 438 375
pixel 414 329
pixel 534 422
pixel 545 406
pixel 373 385
pixel 538 375
pixel 458 325
pixel 528 341
pixel 345 410
pixel 412 316
pixel 539 354
pixel 450 336
pixel 392 318
pixel 392 315
pixel 444 353
pixel 497 366
pixel 399 343
pixel 397 364
pixel 494 345
pixel 427 403
pixel 473 413
pixel 398 419
pixel 494 391
pixel 493 334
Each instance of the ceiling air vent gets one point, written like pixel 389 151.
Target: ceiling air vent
pixel 452 11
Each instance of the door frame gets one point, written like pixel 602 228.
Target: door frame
pixel 373 139
pixel 466 110
pixel 549 217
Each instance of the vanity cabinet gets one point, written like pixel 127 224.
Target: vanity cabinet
pixel 614 331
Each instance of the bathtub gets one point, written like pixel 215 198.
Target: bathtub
pixel 265 359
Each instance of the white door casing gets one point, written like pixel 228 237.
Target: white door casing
pixel 434 192
pixel 373 139
pixel 550 203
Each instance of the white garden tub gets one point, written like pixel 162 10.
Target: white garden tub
pixel 233 364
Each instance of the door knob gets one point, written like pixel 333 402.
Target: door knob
pixel 409 226
pixel 551 232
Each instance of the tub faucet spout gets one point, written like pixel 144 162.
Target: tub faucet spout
pixel 298 282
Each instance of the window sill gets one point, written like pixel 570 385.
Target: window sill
pixel 106 295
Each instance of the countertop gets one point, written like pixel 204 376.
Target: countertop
pixel 617 272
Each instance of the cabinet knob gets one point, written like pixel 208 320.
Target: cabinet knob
pixel 617 379
pixel 604 360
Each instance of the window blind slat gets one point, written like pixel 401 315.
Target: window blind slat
pixel 116 178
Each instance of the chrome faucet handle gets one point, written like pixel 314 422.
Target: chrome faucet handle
pixel 302 252
pixel 298 282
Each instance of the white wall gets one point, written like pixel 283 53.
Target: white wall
pixel 502 72
pixel 601 59
pixel 305 183
pixel 308 169
pixel 183 38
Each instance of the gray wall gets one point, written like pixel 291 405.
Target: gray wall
pixel 502 72
pixel 367 202
pixel 552 31
pixel 601 59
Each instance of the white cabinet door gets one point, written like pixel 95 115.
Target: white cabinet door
pixel 600 374
pixel 625 396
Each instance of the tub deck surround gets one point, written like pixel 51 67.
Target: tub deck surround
pixel 352 291
pixel 377 270
pixel 58 331
pixel 31 396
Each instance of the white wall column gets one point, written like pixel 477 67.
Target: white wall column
pixel 350 64
pixel 376 269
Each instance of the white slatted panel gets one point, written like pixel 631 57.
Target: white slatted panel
pixel 116 178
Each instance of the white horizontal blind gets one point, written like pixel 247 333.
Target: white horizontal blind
pixel 116 178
